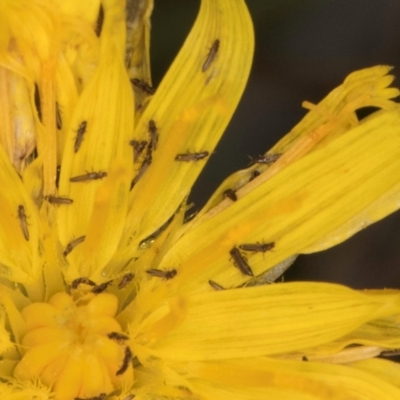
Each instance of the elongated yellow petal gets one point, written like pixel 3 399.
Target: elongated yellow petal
pixel 378 334
pixel 330 118
pixel 191 109
pixel 298 206
pixel 368 87
pixel 268 320
pixel 267 379
pixel 19 233
pixel 137 57
pixel 106 110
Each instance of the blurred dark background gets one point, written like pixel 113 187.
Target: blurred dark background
pixel 304 49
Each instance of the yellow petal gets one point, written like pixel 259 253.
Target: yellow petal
pixel 267 320
pixel 19 232
pixel 384 369
pixel 191 108
pixel 106 105
pixel 267 379
pixel 137 57
pixel 311 199
pixel 330 118
pixel 378 334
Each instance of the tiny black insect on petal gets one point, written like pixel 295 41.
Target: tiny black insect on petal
pixel 101 288
pixel 257 247
pixel 211 55
pixel 80 134
pixel 215 285
pixel 138 148
pixel 230 194
pixel 82 280
pixel 126 280
pixel 38 104
pixel 91 176
pixel 266 159
pixel 143 86
pixel 99 22
pixel 58 172
pixel 117 336
pixel 166 275
pixel 58 200
pixel 192 156
pixel 58 117
pixel 153 131
pixel 71 245
pixel 144 166
pixel 240 262
pixel 22 222
pixel 125 363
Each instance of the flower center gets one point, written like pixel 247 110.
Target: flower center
pixel 76 346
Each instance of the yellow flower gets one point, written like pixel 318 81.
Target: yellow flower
pixel 106 291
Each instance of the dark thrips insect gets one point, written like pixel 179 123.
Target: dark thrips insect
pixel 240 262
pixel 126 280
pixel 76 282
pixel 58 117
pixel 126 361
pixel 38 104
pixel 118 337
pixel 58 200
pixel 100 20
pixel 138 148
pixel 192 156
pixel 211 55
pixel 79 137
pixel 143 86
pixel 71 245
pixel 230 194
pixel 90 176
pixel 22 222
pixel 266 159
pixel 257 247
pixel 101 288
pixel 215 285
pixel 166 275
pixel 143 168
pixel 153 131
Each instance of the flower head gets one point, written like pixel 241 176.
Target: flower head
pixel 107 291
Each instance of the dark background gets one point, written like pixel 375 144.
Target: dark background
pixel 304 49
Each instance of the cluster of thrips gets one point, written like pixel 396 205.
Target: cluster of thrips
pixel 138 148
pixel 143 153
pixel 240 261
pixel 150 146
